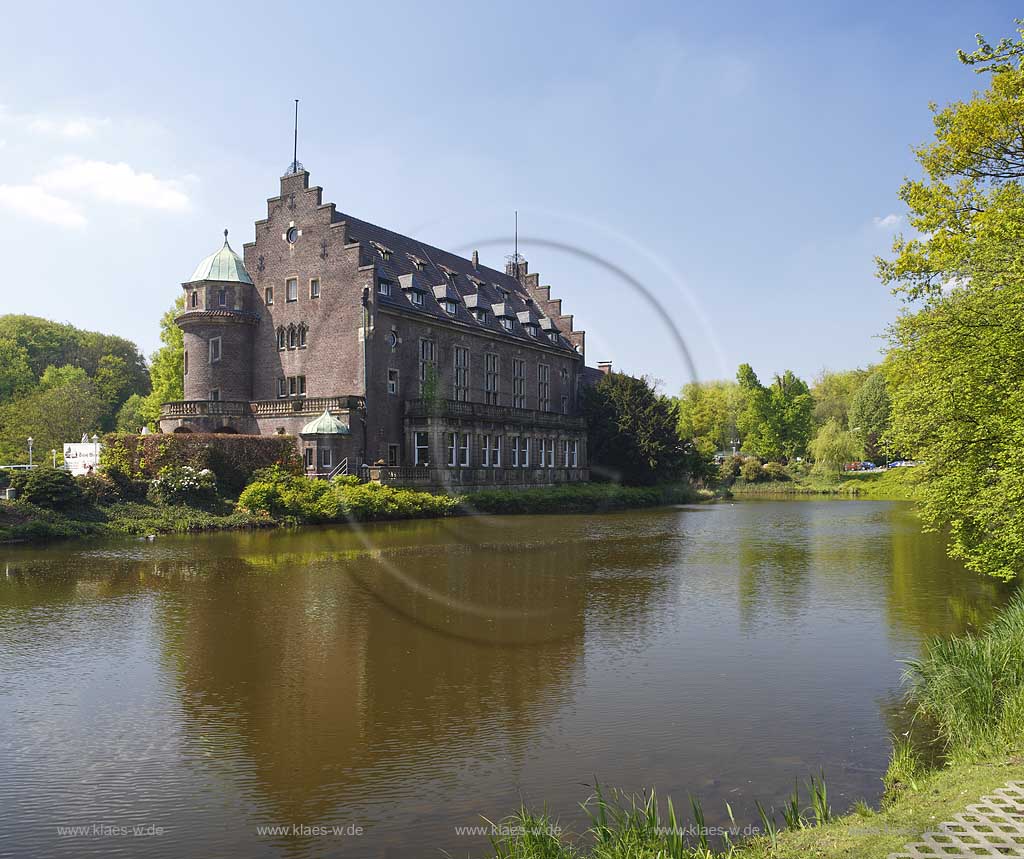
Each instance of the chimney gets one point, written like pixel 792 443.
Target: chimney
pixel 476 259
pixel 605 367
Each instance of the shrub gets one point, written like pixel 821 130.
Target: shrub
pixel 775 471
pixel 98 489
pixel 184 485
pixel 5 478
pixel 234 459
pixel 751 470
pixel 52 488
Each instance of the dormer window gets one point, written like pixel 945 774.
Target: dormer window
pixel 385 252
pixel 417 263
pixel 553 336
pixel 507 323
pixel 532 329
pixel 480 313
pixel 384 287
pixel 416 297
pixel 450 307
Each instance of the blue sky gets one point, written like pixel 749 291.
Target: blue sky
pixel 740 160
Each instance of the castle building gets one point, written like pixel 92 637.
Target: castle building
pixel 376 350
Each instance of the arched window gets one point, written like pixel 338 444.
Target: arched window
pixel 280 337
pixel 302 335
pixel 292 336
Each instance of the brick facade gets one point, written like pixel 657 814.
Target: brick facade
pixel 394 338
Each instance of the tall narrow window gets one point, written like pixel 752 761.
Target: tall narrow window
pixel 464 450
pixel 453 440
pixel 293 387
pixel 282 387
pixel 268 295
pixel 302 386
pixel 565 404
pixel 427 353
pixel 421 443
pixel 525 456
pixel 393 382
pixel 461 354
pixel 518 383
pixel 292 289
pixel 485 451
pixel 544 387
pixel 293 337
pixel 392 454
pixel 309 457
pixel 314 288
pixel 325 457
pixel 302 335
pixel 566 447
pixel 214 349
pixel 280 338
pixel 222 297
pixel 514 442
pixel 575 452
pixel 186 362
pixel 549 445
pixel 215 395
pixel 491 378
pixel 195 298
pixel 496 454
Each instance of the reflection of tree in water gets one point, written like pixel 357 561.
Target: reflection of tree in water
pixel 336 664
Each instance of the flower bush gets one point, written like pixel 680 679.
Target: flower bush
pixel 184 485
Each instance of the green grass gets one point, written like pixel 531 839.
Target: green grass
pixel 895 484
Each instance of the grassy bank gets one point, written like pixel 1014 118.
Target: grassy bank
pixel 895 484
pixel 279 499
pixel 969 691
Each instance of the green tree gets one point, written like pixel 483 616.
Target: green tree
pixel 709 413
pixel 129 416
pixel 833 394
pixel 51 416
pixel 832 446
pixel 632 433
pixel 775 421
pixel 956 366
pixel 869 413
pixel 16 376
pixel 167 367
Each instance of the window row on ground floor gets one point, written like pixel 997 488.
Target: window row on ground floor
pixel 493 451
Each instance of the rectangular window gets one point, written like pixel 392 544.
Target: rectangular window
pixel 384 287
pixel 515 451
pixel 215 395
pixel 507 323
pixel 282 387
pixel 314 288
pixel 550 445
pixel 464 450
pixel 461 373
pixel 393 382
pixel 427 353
pixel 325 457
pixel 575 453
pixel 496 455
pixel 422 448
pixel 195 298
pixel 309 457
pixel 453 439
pixel 268 295
pixel 392 454
pixel 491 378
pixel 565 404
pixel 186 363
pixel 416 298
pixel 526 453
pixel 214 349
pixel 292 386
pixel 518 383
pixel 222 297
pixel 485 451
pixel 544 387
pixel 565 453
pixel 292 289
pixel 302 386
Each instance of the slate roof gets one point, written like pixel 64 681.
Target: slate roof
pixel 396 255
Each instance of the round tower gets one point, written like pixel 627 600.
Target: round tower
pixel 218 324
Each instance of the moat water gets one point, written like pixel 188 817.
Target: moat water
pixel 400 681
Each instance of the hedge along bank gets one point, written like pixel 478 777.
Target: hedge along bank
pixel 233 458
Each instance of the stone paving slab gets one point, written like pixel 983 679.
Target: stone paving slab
pixel 992 827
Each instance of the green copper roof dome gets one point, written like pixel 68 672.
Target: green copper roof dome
pixel 326 424
pixel 223 265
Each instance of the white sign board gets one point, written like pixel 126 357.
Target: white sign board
pixel 82 458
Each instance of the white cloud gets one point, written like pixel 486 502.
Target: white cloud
pixel 55 125
pixel 888 222
pixel 35 202
pixel 115 183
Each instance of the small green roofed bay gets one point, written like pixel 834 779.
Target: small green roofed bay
pixel 326 424
pixel 223 265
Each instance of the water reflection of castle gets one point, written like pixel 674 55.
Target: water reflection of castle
pixel 348 669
